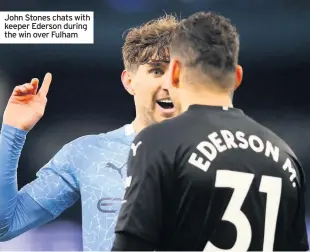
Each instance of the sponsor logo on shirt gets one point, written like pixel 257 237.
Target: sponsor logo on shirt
pixel 109 205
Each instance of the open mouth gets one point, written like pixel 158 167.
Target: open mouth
pixel 165 104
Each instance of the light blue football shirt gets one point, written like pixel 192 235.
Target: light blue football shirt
pixel 92 168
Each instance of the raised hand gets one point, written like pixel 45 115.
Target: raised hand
pixel 27 105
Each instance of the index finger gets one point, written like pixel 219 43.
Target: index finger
pixel 45 84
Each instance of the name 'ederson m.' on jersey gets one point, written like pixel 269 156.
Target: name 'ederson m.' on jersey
pixel 214 179
pixel 92 168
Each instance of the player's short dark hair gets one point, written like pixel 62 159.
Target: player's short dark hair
pixel 208 42
pixel 148 41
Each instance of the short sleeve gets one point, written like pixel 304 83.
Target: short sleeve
pixel 299 235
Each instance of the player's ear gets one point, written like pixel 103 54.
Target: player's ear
pixel 126 80
pixel 174 72
pixel 239 76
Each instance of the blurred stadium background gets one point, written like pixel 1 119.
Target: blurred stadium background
pixel 87 97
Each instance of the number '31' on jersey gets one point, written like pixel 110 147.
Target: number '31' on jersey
pixel 211 179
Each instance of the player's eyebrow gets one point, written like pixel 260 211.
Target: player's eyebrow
pixel 158 63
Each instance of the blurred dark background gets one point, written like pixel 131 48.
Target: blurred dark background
pixel 87 97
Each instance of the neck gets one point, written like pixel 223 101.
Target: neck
pixel 138 125
pixel 205 97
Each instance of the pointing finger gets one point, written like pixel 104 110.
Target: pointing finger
pixel 45 85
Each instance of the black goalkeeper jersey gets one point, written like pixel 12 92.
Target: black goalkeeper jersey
pixel 210 179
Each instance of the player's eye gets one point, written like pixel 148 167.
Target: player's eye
pixel 156 71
